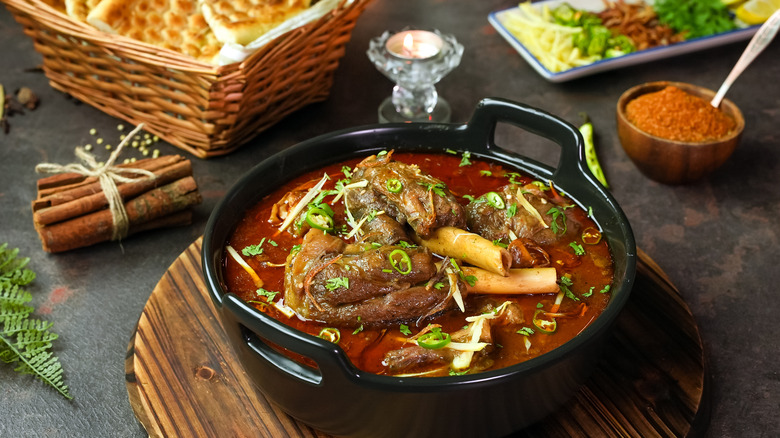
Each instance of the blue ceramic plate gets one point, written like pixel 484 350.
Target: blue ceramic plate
pixel 497 18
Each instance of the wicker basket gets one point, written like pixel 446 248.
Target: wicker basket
pixel 203 109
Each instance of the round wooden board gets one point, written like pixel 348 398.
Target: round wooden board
pixel 184 380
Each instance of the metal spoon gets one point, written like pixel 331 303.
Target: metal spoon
pixel 758 43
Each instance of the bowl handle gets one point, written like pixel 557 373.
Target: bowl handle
pixel 259 330
pixel 491 111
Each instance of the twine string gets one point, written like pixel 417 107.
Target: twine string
pixel 108 175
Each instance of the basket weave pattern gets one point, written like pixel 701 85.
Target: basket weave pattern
pixel 203 109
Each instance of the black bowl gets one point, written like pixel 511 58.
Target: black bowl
pixel 339 399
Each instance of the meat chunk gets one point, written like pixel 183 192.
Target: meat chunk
pixel 405 194
pixel 415 359
pixel 509 217
pixel 330 281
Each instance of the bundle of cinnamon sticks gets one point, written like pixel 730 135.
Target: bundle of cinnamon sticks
pixel 71 210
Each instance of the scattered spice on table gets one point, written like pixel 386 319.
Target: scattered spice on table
pixel 677 115
pixel 11 104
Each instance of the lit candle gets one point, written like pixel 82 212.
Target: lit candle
pixel 414 44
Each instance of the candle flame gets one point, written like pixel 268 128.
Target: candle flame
pixel 408 43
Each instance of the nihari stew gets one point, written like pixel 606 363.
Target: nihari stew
pixel 423 264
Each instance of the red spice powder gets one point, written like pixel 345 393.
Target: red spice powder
pixel 676 115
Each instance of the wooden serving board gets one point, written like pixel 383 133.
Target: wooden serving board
pixel 184 380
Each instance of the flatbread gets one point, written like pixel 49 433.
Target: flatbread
pixel 243 21
pixel 172 24
pixel 79 9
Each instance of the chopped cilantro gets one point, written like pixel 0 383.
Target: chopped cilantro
pixel 337 282
pixel 589 292
pixel 450 151
pixel 511 211
pixel 437 188
pixel 269 295
pixel 405 330
pixel 558 215
pixel 539 305
pixel 500 244
pixel 346 171
pixel 485 173
pixel 458 373
pixel 253 250
pixel 470 198
pixel 295 249
pixel 564 286
pixel 465 161
pixel 438 285
pixel 606 289
pixel 358 330
pixel 526 331
pixel 578 249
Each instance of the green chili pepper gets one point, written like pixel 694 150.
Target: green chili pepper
pixel 434 339
pixel 495 200
pixel 590 152
pixel 404 265
pixel 330 334
pixel 544 325
pixel 394 185
pixel 318 218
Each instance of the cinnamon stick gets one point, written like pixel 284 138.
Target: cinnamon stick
pixel 85 199
pixel 66 182
pixel 149 209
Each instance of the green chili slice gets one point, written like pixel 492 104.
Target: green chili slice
pixel 394 185
pixel 495 200
pixel 400 261
pixel 591 236
pixel 318 218
pixel 544 325
pixel 330 334
pixel 434 339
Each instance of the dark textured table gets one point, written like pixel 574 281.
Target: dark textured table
pixel 716 239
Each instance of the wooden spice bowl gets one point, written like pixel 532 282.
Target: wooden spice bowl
pixel 669 161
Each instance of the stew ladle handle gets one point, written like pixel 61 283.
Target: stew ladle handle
pixel 762 38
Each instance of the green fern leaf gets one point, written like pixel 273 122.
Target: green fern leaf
pixel 25 342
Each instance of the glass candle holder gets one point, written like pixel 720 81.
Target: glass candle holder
pixel 415 60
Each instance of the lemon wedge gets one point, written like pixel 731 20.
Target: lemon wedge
pixel 756 11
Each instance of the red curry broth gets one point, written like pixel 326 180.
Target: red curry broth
pixel 591 273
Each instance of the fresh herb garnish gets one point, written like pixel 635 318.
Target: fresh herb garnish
pixel 405 330
pixel 511 211
pixel 558 219
pixel 500 244
pixel 337 282
pixel 253 250
pixel 437 188
pixel 526 331
pixel 269 295
pixel 564 286
pixel 485 173
pixel 578 249
pixel 465 161
pixel 24 342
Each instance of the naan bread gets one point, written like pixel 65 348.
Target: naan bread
pixel 79 9
pixel 172 24
pixel 242 21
